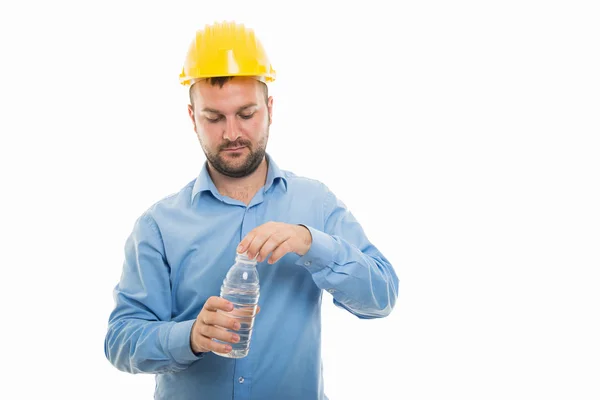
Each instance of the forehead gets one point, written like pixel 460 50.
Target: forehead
pixel 235 93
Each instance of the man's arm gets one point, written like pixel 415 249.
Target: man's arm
pixel 141 337
pixel 344 262
pixel 341 259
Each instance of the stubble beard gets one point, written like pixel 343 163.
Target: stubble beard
pixel 252 160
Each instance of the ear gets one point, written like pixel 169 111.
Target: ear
pixel 191 114
pixel 270 109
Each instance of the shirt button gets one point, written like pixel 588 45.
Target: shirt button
pixel 241 379
pixel 307 263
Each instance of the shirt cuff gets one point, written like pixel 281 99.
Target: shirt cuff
pixel 179 343
pixel 321 251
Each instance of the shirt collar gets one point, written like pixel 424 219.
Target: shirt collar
pixel 204 182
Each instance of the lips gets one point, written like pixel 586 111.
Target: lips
pixel 234 148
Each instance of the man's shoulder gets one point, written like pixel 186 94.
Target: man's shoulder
pixel 172 202
pixel 303 182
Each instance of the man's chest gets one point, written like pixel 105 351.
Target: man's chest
pixel 200 247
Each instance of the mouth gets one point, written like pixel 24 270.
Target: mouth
pixel 232 149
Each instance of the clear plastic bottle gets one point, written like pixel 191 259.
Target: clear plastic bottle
pixel 241 287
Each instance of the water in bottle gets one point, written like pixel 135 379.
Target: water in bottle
pixel 241 288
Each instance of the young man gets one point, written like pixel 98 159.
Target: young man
pixel 305 240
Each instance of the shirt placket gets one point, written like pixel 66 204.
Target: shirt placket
pixel 242 378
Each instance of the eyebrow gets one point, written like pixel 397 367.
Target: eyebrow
pixel 242 108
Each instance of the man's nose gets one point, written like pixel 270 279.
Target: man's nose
pixel 232 130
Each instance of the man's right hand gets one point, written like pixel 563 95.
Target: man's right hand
pixel 211 324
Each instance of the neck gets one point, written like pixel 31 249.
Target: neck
pixel 242 189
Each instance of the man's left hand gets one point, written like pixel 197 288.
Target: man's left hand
pixel 277 238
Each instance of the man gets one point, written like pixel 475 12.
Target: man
pixel 303 237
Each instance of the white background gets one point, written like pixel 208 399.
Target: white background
pixel 463 135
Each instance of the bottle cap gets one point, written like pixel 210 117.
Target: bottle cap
pixel 244 257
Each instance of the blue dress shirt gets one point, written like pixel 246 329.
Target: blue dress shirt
pixel 177 256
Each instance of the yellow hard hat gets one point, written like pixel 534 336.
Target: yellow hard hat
pixel 226 49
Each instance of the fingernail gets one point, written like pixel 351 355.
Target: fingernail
pixel 240 247
pixel 236 326
pixel 235 338
pixel 227 349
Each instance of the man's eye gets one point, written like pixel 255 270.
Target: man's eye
pixel 213 120
pixel 247 116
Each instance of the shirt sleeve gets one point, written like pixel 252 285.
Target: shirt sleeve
pixel 141 337
pixel 345 263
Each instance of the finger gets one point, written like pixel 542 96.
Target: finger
pixel 221 320
pixel 215 303
pixel 202 343
pixel 280 251
pixel 264 230
pixel 257 243
pixel 271 244
pixel 245 242
pixel 211 345
pixel 213 332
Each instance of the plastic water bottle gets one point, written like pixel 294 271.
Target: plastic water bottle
pixel 241 287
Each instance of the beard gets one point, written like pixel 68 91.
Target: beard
pixel 248 163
